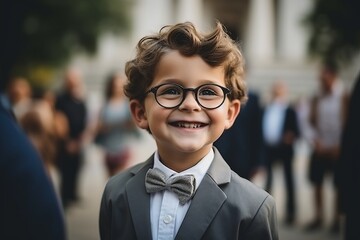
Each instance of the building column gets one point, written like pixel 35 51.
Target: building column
pixel 259 46
pixel 292 35
pixel 189 10
pixel 149 16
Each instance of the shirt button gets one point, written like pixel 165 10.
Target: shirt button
pixel 167 219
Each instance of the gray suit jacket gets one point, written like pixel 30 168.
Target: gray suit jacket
pixel 225 206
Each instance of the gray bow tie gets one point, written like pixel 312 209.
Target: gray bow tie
pixel 183 186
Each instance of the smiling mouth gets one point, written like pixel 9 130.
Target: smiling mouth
pixel 188 124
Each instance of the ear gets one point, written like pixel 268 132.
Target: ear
pixel 138 114
pixel 233 112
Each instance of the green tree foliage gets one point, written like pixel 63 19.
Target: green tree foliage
pixel 334 30
pixel 47 32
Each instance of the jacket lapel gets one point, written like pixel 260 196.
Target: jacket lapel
pixel 207 200
pixel 139 201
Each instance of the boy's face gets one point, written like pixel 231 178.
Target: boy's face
pixel 188 128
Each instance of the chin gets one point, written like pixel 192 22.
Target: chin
pixel 192 148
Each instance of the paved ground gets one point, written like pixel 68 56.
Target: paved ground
pixel 82 218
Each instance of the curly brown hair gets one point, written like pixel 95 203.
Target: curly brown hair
pixel 215 48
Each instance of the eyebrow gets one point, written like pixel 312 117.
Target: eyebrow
pixel 180 82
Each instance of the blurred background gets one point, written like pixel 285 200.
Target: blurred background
pixel 50 48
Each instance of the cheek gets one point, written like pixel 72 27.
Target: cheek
pixel 155 115
pixel 221 118
pixel 218 116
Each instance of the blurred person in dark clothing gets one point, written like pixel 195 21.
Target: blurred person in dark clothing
pixel 241 145
pixel 29 208
pixel 280 131
pixel 327 117
pixel 71 103
pixel 350 166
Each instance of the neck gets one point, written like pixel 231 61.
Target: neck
pixel 180 161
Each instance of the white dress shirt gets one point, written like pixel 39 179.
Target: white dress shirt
pixel 330 115
pixel 273 122
pixel 166 213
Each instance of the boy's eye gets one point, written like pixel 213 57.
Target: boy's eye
pixel 209 91
pixel 169 90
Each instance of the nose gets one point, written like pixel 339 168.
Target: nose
pixel 189 103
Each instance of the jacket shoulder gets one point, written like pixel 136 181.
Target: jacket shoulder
pixel 246 196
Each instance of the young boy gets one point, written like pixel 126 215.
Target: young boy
pixel 185 88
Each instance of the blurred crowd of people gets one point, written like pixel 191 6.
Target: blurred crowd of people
pixel 57 124
pixel 263 134
pixel 267 133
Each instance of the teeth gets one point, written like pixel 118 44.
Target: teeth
pixel 188 125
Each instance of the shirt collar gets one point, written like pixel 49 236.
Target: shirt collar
pixel 199 170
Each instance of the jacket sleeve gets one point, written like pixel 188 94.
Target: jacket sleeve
pixel 105 217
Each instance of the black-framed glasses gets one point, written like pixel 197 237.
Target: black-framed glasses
pixel 171 95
